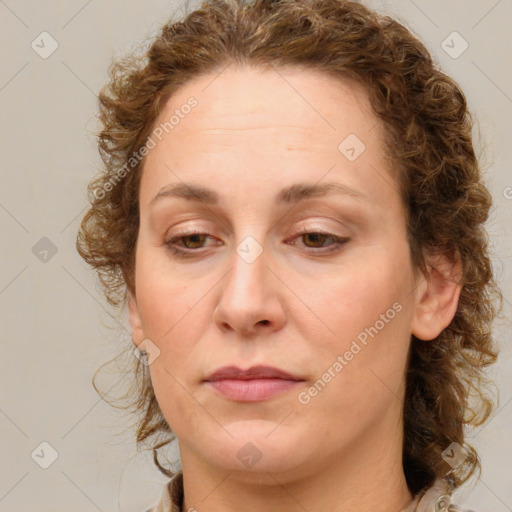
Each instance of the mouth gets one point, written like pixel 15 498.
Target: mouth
pixel 253 385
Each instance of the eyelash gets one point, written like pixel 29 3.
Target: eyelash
pixel 190 253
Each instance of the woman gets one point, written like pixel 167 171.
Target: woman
pixel 292 211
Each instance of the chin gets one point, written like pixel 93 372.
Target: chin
pixel 257 447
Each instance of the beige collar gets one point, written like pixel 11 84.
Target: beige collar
pixel 435 499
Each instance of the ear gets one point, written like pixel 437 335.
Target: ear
pixel 135 321
pixel 437 296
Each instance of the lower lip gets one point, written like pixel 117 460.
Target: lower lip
pixel 252 390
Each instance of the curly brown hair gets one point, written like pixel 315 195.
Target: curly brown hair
pixel 428 138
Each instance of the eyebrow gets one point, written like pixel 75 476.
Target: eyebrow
pixel 290 195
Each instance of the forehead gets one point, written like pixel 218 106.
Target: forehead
pixel 248 97
pixel 275 122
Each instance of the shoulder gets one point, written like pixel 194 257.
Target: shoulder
pixel 171 499
pixel 436 498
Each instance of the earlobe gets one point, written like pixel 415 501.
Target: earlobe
pixel 437 298
pixel 135 321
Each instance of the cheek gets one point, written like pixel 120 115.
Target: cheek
pixel 175 399
pixel 367 309
pixel 163 295
pixel 360 364
pixel 353 297
pixel 175 311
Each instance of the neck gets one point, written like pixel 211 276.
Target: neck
pixel 365 477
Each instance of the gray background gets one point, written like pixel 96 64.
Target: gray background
pixel 56 330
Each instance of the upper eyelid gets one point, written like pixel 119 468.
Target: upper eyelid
pixel 302 231
pixel 179 236
pixel 349 218
pixel 304 224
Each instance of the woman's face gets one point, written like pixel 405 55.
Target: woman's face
pixel 240 276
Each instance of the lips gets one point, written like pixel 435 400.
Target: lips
pixel 256 372
pixel 253 385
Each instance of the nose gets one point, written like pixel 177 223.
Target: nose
pixel 251 300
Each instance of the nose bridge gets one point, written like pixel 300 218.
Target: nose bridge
pixel 249 267
pixel 248 297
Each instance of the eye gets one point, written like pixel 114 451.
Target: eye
pixel 188 245
pixel 190 241
pixel 318 239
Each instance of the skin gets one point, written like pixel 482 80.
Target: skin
pixel 253 132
